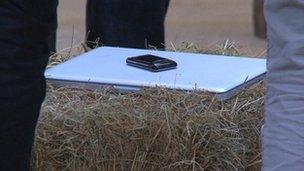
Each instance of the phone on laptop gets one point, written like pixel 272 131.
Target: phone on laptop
pixel 151 63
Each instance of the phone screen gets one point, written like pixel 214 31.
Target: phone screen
pixel 149 58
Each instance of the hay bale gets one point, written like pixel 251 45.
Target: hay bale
pixel 156 129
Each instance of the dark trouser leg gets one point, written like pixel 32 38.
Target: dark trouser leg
pixel 52 42
pixel 25 26
pixel 283 132
pixel 126 23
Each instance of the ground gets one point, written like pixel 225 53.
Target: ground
pixel 203 22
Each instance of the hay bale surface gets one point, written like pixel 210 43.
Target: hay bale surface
pixel 155 129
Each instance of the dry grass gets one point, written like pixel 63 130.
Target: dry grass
pixel 155 129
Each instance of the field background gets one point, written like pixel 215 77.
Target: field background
pixel 203 22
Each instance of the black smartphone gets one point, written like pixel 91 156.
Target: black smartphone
pixel 151 62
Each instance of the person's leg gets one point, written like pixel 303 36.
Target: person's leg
pixel 156 11
pixel 126 23
pixel 283 132
pixel 25 26
pixel 52 42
